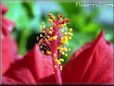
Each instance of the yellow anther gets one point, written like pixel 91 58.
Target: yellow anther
pixel 65 49
pixel 66 42
pixel 40 35
pixel 50 39
pixel 62 60
pixel 69 49
pixel 70 37
pixel 48 36
pixel 65 33
pixel 61 67
pixel 71 34
pixel 66 54
pixel 50 32
pixel 50 20
pixel 64 24
pixel 62 53
pixel 50 28
pixel 48 52
pixel 61 48
pixel 60 16
pixel 55 37
pixel 41 46
pixel 58 62
pixel 51 16
pixel 70 29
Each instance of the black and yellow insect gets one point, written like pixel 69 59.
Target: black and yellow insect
pixel 45 49
pixel 37 38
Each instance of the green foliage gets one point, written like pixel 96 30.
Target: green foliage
pixel 24 16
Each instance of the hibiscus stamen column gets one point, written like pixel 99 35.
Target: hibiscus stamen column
pixel 56 36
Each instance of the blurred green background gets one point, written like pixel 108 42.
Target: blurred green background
pixel 86 22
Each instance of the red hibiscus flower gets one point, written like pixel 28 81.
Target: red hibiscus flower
pixel 90 64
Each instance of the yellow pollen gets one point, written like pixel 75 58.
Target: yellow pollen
pixel 66 54
pixel 41 46
pixel 69 49
pixel 70 37
pixel 62 60
pixel 50 39
pixel 60 16
pixel 50 32
pixel 51 16
pixel 62 53
pixel 65 49
pixel 70 29
pixel 40 35
pixel 65 33
pixel 64 24
pixel 50 28
pixel 58 62
pixel 50 20
pixel 48 36
pixel 55 37
pixel 71 34
pixel 48 52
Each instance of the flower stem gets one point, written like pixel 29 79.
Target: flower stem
pixel 55 65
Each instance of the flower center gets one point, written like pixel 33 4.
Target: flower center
pixel 53 39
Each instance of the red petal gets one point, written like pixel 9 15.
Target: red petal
pixel 7 26
pixel 18 76
pixel 40 65
pixel 4 9
pixel 31 69
pixel 92 63
pixel 9 52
